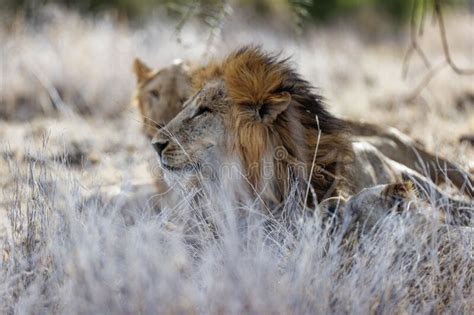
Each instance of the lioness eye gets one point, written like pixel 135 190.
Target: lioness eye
pixel 155 93
pixel 202 110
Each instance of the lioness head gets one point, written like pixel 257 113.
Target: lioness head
pixel 160 94
pixel 254 109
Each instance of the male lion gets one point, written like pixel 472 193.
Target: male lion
pixel 252 105
pixel 161 93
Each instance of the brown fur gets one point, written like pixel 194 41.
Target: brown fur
pixel 391 142
pixel 257 82
pixel 251 105
pixel 402 149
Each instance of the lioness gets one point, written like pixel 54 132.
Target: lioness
pixel 160 95
pixel 252 105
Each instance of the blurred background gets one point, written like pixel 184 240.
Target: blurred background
pixel 311 10
pixel 317 10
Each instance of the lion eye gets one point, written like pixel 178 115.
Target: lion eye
pixel 155 93
pixel 202 110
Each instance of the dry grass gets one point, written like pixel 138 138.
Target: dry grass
pixel 69 141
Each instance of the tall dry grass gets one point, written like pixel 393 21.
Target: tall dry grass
pixel 76 254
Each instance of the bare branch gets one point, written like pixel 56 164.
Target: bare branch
pixel 425 81
pixel 416 31
pixel 442 29
pixel 414 47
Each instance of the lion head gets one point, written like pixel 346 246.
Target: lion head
pixel 254 109
pixel 161 93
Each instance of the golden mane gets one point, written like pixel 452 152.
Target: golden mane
pixel 302 132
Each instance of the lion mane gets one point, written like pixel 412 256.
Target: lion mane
pixel 311 138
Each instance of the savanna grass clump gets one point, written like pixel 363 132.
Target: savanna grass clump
pixel 69 253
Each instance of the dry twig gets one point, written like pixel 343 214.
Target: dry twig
pixel 416 30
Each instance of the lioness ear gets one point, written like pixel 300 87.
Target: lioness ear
pixel 274 106
pixel 140 69
pixel 401 191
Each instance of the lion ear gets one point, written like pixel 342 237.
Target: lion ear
pixel 400 191
pixel 140 69
pixel 274 106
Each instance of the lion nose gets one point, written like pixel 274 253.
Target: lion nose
pixel 159 145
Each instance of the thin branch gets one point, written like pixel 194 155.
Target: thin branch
pixel 416 31
pixel 421 29
pixel 442 29
pixel 425 81
pixel 414 46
